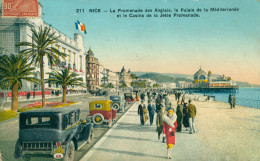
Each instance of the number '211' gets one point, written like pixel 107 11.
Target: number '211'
pixel 79 10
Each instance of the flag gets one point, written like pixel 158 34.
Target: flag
pixel 81 27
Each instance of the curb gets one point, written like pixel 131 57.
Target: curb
pixel 101 140
pixel 10 120
pixel 17 117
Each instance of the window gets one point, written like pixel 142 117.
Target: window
pixel 69 56
pixel 80 60
pixel 57 47
pixel 38 121
pixel 9 39
pixel 63 50
pixel 74 62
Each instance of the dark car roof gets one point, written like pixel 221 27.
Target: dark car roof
pixel 49 111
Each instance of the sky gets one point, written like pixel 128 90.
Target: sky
pixel 222 42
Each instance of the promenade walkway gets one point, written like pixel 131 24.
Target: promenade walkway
pixel 128 141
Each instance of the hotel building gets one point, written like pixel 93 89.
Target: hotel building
pixel 15 30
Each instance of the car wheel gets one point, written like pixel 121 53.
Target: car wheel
pixel 98 119
pixel 70 152
pixel 91 136
pixel 18 150
pixel 26 157
pixel 128 100
pixel 115 106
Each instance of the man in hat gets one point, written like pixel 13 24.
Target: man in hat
pixel 179 113
pixel 159 122
pixel 141 112
pixel 151 110
pixel 191 112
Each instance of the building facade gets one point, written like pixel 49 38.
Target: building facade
pixel 125 77
pixel 92 71
pixel 204 79
pixel 113 78
pixel 15 30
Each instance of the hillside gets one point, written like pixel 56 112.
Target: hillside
pixel 161 78
pixel 173 77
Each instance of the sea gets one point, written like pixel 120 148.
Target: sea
pixel 249 97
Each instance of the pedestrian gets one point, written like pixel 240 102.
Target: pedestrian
pixel 183 99
pixel 151 110
pixel 158 102
pixel 169 127
pixel 179 95
pixel 159 122
pixel 166 99
pixel 179 113
pixel 191 111
pixel 142 96
pixel 176 95
pixel 185 116
pixel 230 100
pixel 234 101
pixel 141 113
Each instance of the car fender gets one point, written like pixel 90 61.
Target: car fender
pixel 71 137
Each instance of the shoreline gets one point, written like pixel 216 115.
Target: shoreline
pixel 201 97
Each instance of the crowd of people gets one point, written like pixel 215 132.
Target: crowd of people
pixel 168 120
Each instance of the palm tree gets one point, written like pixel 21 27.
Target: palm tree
pixel 65 78
pixel 14 69
pixel 41 46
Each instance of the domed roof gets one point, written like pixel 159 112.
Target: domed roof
pixel 199 73
pixel 123 69
pixel 129 71
pixel 90 52
pixel 209 73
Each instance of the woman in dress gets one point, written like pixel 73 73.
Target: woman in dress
pixel 169 127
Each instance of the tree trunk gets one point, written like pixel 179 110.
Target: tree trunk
pixel 64 94
pixel 15 97
pixel 42 81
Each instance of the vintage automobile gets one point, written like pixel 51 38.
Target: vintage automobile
pixel 129 97
pixel 118 103
pixel 101 112
pixel 52 131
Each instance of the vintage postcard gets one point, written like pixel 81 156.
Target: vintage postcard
pixel 129 80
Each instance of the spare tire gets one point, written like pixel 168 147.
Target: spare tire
pixel 98 119
pixel 116 106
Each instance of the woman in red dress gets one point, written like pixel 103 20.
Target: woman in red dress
pixel 169 126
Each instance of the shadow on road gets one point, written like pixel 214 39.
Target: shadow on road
pixel 130 153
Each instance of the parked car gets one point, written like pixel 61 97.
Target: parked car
pixel 54 131
pixel 102 93
pixel 118 103
pixel 129 98
pixel 101 112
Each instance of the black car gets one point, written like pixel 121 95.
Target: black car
pixel 118 103
pixel 53 131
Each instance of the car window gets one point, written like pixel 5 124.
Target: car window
pixel 38 121
pixel 98 106
pixel 72 118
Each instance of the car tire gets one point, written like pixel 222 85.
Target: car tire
pixel 26 158
pixel 128 100
pixel 116 106
pixel 98 119
pixel 91 136
pixel 69 156
pixel 18 150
